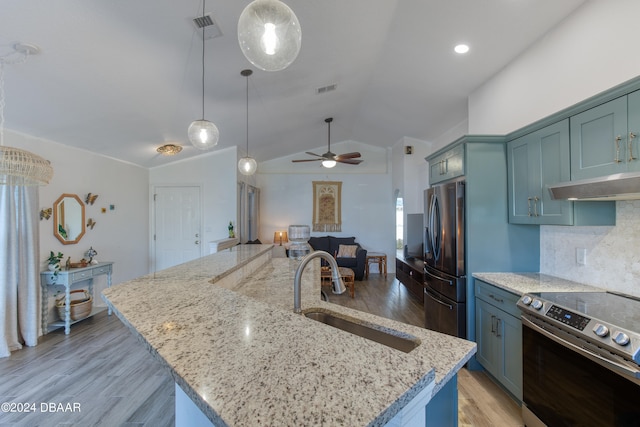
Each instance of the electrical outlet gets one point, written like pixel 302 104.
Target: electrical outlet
pixel 581 256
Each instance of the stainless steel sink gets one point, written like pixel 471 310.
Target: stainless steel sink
pixel 397 342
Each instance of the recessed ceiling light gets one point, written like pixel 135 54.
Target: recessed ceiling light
pixel 461 48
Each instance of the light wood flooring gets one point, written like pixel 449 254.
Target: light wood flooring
pixel 481 403
pixel 116 382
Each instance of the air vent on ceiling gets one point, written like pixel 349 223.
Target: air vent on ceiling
pixel 211 28
pixel 325 89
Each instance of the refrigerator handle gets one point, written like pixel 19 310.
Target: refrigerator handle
pixel 432 226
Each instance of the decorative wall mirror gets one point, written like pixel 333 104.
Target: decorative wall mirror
pixel 68 219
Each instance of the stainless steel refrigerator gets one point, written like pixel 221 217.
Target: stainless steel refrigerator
pixel 444 247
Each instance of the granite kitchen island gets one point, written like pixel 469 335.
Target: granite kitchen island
pixel 224 327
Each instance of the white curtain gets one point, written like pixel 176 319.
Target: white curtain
pixel 19 272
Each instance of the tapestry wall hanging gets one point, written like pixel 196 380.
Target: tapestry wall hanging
pixel 327 206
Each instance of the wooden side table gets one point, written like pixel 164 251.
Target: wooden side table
pixel 348 277
pixel 376 258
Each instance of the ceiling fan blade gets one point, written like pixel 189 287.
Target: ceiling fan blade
pixel 349 161
pixel 306 160
pixel 348 155
pixel 313 154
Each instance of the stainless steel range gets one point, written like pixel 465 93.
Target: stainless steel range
pixel 581 357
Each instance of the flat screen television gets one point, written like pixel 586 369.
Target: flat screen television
pixel 413 244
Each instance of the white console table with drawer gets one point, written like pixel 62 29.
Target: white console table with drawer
pixel 69 278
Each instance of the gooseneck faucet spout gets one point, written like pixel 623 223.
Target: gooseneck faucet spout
pixel 338 284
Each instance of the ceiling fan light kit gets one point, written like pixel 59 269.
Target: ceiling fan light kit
pixel 330 159
pixel 269 34
pixel 328 163
pixel 203 134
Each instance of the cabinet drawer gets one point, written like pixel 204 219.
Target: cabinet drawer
pixel 497 297
pixel 80 275
pixel 101 270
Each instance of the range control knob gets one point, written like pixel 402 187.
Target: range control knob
pixel 601 330
pixel 620 338
pixel 526 300
pixel 537 304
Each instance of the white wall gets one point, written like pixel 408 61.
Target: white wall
pixel 590 52
pixel 410 176
pixel 216 173
pixel 368 209
pixel 120 235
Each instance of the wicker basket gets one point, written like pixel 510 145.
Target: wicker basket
pixel 79 307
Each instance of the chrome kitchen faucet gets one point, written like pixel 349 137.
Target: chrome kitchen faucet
pixel 338 284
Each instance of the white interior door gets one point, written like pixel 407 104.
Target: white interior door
pixel 177 234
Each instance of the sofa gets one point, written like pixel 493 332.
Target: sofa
pixel 356 256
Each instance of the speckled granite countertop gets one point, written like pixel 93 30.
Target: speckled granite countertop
pixel 225 328
pixel 522 283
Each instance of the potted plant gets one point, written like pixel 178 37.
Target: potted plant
pixel 54 264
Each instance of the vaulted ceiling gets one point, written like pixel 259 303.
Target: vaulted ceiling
pixel 121 77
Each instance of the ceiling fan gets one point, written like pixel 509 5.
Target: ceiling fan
pixel 330 159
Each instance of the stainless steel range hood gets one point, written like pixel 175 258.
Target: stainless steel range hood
pixel 620 186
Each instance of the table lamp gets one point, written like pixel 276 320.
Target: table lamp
pixel 280 237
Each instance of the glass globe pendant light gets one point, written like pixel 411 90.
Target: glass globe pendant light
pixel 247 165
pixel 269 34
pixel 203 134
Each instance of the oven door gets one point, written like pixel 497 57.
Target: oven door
pixel 563 385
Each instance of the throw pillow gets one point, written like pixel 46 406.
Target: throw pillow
pixel 347 251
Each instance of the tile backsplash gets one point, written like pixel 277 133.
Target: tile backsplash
pixel 612 252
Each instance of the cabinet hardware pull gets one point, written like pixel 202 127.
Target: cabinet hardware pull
pixel 498 327
pixel 631 137
pixel 444 167
pixel 495 298
pixel 493 325
pixel 535 206
pixel 617 158
pixel 528 206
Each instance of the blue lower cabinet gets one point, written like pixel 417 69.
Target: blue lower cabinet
pixel 499 336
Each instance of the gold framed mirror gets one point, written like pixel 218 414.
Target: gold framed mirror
pixel 68 219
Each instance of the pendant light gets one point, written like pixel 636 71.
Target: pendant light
pixel 247 165
pixel 269 34
pixel 20 167
pixel 203 134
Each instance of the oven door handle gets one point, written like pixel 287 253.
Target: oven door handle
pixel 614 366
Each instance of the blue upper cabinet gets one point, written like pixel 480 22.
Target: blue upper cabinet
pixel 633 131
pixel 604 139
pixel 534 161
pixel 537 160
pixel 447 165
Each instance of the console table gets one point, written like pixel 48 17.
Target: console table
pixel 69 278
